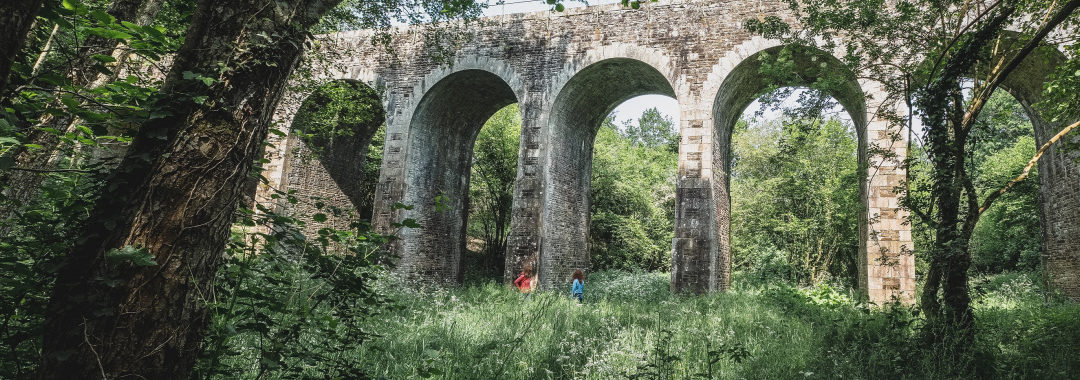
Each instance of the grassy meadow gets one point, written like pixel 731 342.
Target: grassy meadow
pixel 631 326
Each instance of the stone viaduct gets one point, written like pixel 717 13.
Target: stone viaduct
pixel 567 71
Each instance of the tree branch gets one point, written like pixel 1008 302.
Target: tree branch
pixel 1027 169
pixel 960 33
pixel 995 81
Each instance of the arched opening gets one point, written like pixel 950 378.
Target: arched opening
pixel 576 115
pixel 1008 236
pixel 1058 173
pixel 798 66
pixel 632 190
pixel 795 191
pixel 439 153
pixel 491 195
pixel 334 154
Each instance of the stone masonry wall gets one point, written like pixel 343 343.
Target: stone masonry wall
pixel 567 71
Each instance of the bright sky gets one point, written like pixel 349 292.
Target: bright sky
pixel 521 6
pixel 632 109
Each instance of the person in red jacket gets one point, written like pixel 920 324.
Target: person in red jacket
pixel 524 281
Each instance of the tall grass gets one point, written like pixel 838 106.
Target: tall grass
pixel 632 326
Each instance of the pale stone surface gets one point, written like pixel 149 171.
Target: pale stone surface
pixel 569 70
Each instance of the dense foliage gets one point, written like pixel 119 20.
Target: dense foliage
pixel 491 190
pixel 287 305
pixel 274 303
pixel 795 201
pixel 632 194
pixel 632 326
pixel 1008 236
pixel 941 62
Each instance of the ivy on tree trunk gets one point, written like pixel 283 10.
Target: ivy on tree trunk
pixel 16 18
pixel 129 300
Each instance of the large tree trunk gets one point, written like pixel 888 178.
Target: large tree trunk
pixel 174 196
pixel 23 185
pixel 16 17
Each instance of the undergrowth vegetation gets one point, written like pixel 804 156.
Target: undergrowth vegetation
pixel 632 326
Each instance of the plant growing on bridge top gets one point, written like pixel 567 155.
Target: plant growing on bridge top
pixel 339 109
pixel 922 52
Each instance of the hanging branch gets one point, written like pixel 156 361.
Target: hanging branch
pixel 1027 169
pixel 998 77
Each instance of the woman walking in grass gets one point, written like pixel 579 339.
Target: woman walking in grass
pixel 577 290
pixel 524 282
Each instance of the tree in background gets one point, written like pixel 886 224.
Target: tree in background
pixel 1007 236
pixel 653 130
pixel 922 52
pixel 491 186
pixel 16 19
pixel 632 194
pixel 795 201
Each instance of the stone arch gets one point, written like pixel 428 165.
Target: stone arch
pixel 657 59
pixel 575 116
pixel 328 166
pixel 436 137
pixel 741 85
pixel 278 144
pixel 1059 174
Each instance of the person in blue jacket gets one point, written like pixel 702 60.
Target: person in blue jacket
pixel 577 290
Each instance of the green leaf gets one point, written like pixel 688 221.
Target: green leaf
pixel 560 7
pixel 102 17
pixel 103 58
pixel 320 217
pixel 109 33
pixel 131 254
pixel 70 102
pixel 69 5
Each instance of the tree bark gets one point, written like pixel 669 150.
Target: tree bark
pixel 174 196
pixel 16 17
pixel 944 115
pixel 948 140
